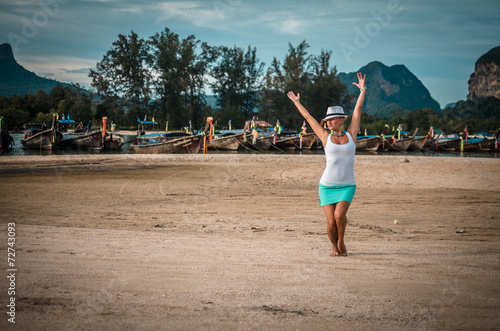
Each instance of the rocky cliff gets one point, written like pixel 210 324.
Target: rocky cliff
pixel 390 88
pixel 485 81
pixel 15 79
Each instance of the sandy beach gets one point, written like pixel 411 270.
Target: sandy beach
pixel 238 242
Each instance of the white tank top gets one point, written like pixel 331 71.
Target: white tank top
pixel 339 163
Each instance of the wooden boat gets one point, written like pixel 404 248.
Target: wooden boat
pixel 162 143
pixel 368 143
pixel 6 141
pixel 41 139
pixel 445 144
pixel 287 141
pixel 226 141
pixel 263 142
pixel 113 141
pixel 308 140
pixel 475 144
pixel 418 143
pixel 292 141
pixel 81 141
pixel 402 144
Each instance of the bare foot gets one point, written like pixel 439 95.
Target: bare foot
pixel 342 249
pixel 335 252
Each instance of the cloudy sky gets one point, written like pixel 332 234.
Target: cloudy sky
pixel 438 40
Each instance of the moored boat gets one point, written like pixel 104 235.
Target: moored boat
pixel 417 144
pixel 113 141
pixel 41 139
pixel 6 141
pixel 475 144
pixel 368 143
pixel 162 143
pixel 226 141
pixel 290 141
pixel 400 141
pixel 287 141
pixel 445 143
pixel 81 140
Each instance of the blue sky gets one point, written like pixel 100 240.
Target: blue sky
pixel 438 40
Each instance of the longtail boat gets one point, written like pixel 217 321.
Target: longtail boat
pixel 81 140
pixel 113 141
pixel 368 143
pixel 445 144
pixel 287 141
pixel 6 141
pixel 292 140
pixel 401 144
pixel 44 138
pixel 38 139
pixel 418 143
pixel 476 144
pixel 162 143
pixel 226 140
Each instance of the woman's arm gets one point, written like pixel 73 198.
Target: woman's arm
pixel 317 128
pixel 356 115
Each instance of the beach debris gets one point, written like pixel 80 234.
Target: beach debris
pixel 256 229
pixel 395 221
pixel 155 218
pixel 461 231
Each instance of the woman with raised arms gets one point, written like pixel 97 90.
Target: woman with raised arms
pixel 337 184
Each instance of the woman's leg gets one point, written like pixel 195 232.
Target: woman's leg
pixel 331 228
pixel 340 216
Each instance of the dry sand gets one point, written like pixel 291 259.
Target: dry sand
pixel 238 242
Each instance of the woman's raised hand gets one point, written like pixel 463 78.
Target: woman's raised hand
pixel 293 97
pixel 361 80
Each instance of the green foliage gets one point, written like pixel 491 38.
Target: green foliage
pixel 123 72
pixel 311 76
pixel 40 106
pixel 236 83
pixel 13 117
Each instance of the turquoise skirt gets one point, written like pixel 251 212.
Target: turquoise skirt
pixel 329 195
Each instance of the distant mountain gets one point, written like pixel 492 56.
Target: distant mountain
pixel 389 89
pixel 15 79
pixel 485 80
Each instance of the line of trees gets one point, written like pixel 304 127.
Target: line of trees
pixel 39 107
pixel 166 77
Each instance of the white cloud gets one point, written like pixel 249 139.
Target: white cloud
pixel 197 13
pixel 283 22
pixel 133 9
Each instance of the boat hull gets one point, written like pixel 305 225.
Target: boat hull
pixel 6 142
pixel 82 142
pixel 400 145
pixel 417 143
pixel 293 142
pixel 42 140
pixel 368 144
pixel 231 142
pixel 113 142
pixel 180 145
